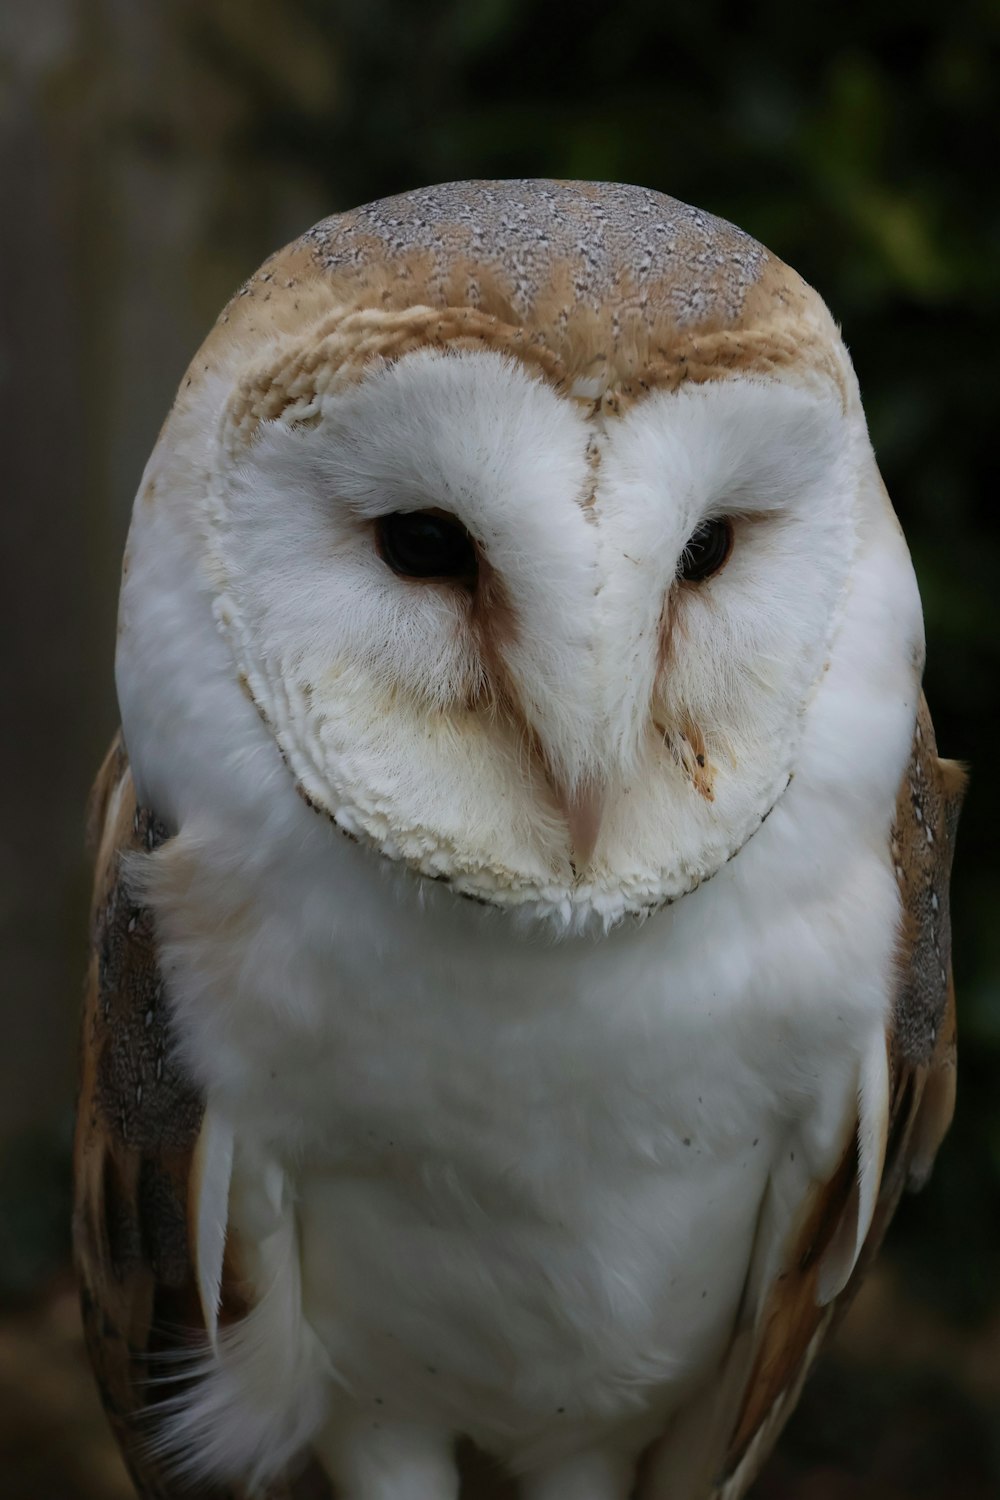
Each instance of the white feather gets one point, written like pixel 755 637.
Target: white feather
pixel 529 1172
pixel 211 1171
pixel 261 1387
pixel 841 1256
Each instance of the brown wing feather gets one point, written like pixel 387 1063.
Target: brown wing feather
pixel 921 1053
pixel 138 1120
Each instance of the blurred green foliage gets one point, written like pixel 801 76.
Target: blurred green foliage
pixel 859 144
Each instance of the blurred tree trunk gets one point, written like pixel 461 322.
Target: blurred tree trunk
pixel 128 213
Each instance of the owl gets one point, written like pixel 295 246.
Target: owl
pixel 520 985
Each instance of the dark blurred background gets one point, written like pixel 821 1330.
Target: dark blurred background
pixel 151 154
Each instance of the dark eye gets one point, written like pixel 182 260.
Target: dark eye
pixel 426 544
pixel 708 548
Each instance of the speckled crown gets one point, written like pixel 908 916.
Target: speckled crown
pixel 606 289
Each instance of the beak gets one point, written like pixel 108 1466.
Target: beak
pixel 583 809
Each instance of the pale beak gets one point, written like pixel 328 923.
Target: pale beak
pixel 583 809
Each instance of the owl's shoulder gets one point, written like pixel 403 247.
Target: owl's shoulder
pixel 139 1122
pixel 915 1113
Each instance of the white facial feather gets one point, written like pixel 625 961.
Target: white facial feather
pixel 375 687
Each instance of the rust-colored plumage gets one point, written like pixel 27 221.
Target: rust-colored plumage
pixel 566 277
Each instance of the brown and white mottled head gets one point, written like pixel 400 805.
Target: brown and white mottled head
pixel 526 514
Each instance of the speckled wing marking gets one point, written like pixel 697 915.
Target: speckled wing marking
pixel 921 1052
pixel 137 1124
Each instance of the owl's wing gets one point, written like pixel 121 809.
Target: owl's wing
pixel 904 1111
pixel 141 1142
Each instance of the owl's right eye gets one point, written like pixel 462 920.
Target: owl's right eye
pixel 428 544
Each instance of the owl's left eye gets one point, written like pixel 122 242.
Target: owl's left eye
pixel 707 550
pixel 426 544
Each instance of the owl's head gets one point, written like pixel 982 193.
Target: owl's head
pixel 526 515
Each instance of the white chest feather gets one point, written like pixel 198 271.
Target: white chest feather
pixel 527 1175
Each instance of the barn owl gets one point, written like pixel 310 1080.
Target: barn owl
pixel 520 986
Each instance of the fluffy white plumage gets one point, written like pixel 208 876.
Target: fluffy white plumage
pixel 513 1170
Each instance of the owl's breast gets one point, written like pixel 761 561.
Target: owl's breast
pixel 528 1173
pixel 439 1292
